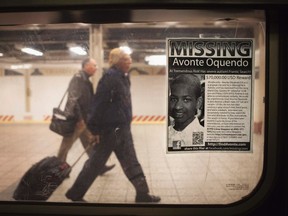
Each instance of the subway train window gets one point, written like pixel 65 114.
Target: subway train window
pixel 130 91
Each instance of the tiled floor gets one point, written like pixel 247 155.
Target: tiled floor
pixel 180 178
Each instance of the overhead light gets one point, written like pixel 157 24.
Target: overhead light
pixel 31 51
pixel 126 49
pixel 78 50
pixel 156 60
pixel 1 54
pixel 20 66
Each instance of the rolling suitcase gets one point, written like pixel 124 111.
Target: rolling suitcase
pixel 43 178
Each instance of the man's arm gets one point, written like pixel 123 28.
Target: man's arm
pixel 99 105
pixel 72 108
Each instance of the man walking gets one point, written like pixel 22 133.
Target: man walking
pixel 80 93
pixel 110 121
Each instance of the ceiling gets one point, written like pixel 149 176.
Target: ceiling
pixel 144 38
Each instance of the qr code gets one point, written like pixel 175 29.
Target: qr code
pixel 197 138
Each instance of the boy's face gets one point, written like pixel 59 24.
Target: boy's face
pixel 182 103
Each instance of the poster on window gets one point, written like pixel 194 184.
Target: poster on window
pixel 210 94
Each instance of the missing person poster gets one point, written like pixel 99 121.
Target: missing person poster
pixel 210 94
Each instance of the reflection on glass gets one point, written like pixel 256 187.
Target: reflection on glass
pixel 186 178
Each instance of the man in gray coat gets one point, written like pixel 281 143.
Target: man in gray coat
pixel 80 93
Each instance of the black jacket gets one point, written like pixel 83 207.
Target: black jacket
pixel 80 93
pixel 111 105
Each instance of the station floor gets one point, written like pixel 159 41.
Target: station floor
pixel 179 178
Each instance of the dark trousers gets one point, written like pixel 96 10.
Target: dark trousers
pixel 120 141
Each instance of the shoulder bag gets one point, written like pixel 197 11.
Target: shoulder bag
pixel 60 124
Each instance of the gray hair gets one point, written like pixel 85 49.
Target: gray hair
pixel 115 55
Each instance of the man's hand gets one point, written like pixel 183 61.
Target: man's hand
pixel 97 138
pixel 93 139
pixel 80 124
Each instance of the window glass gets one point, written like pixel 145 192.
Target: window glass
pixel 223 166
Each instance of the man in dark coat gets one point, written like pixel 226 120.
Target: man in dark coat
pixel 110 121
pixel 80 93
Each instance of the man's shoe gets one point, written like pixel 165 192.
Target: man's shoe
pixel 106 169
pixel 75 199
pixel 79 200
pixel 147 198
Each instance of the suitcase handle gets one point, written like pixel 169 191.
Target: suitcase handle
pixel 85 150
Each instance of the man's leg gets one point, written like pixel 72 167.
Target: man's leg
pixel 84 137
pixel 92 167
pixel 67 143
pixel 126 155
